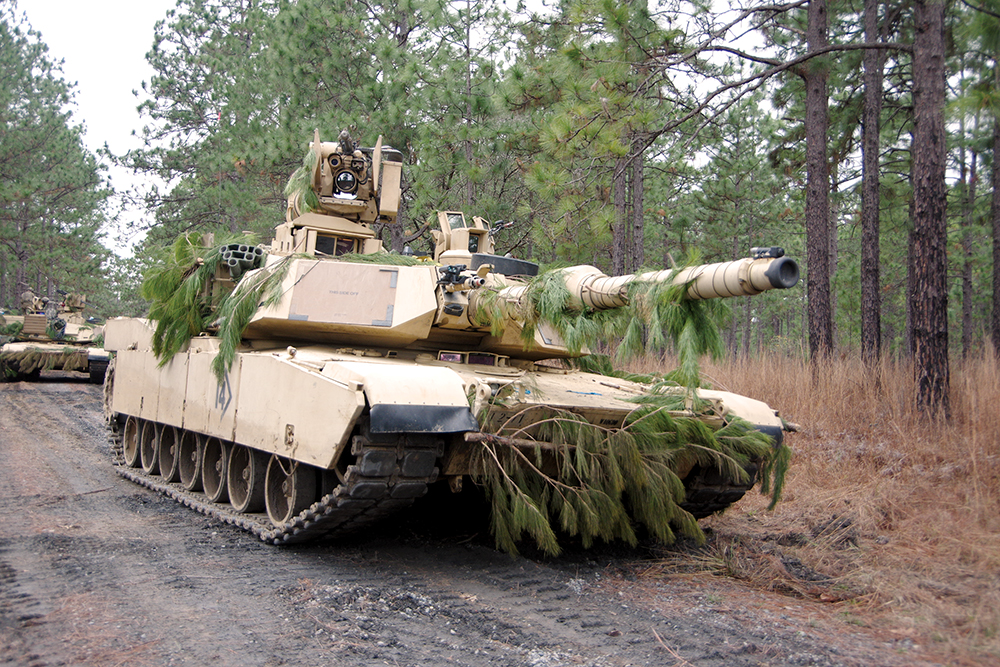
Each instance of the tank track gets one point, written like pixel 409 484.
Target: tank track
pixel 389 476
pixel 708 491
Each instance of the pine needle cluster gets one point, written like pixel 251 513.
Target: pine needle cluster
pixel 655 315
pixel 661 312
pixel 601 364
pixel 546 300
pixel 258 289
pixel 34 359
pixel 12 329
pixel 595 482
pixel 300 184
pixel 176 288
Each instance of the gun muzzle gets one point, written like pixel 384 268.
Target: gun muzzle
pixel 783 273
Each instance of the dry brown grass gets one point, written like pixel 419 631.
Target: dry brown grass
pixel 890 515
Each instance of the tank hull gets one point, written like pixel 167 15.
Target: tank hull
pixel 26 360
pixel 36 347
pixel 371 425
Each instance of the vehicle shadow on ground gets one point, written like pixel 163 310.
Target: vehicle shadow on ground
pixel 445 519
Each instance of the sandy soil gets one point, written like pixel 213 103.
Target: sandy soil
pixel 97 571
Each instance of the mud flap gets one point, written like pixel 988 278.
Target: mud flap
pixel 776 432
pixel 409 398
pixel 388 418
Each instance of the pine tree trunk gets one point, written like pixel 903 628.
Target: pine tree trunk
pixel 871 296
pixel 818 189
pixel 734 325
pixel 619 230
pixel 747 305
pixel 397 230
pixel 21 255
pixel 5 298
pixel 909 280
pixel 834 255
pixel 470 192
pixel 995 218
pixel 396 236
pixel 970 202
pixel 747 326
pixel 930 288
pixel 637 252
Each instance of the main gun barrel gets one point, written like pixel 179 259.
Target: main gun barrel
pixel 589 287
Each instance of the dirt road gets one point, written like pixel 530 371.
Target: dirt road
pixel 97 571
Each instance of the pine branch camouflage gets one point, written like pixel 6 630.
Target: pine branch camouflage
pixel 595 482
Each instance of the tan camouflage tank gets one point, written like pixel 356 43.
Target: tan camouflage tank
pixel 352 386
pixel 51 335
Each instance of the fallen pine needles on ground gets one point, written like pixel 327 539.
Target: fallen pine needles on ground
pixel 887 514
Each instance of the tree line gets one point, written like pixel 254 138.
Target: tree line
pixel 52 190
pixel 626 135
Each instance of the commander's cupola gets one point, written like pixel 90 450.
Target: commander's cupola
pixel 336 195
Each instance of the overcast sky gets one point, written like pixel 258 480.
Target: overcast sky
pixel 103 44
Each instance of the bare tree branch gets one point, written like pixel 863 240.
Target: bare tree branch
pixel 758 79
pixel 980 8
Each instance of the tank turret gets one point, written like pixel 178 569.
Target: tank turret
pixel 342 189
pixel 334 382
pixel 430 306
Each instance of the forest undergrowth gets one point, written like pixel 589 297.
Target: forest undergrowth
pixel 890 516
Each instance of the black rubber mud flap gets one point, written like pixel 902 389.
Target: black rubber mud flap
pixel 776 432
pixel 387 418
pixel 708 490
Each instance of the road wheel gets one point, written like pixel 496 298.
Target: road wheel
pixel 291 488
pixel 168 450
pixel 149 443
pixel 246 474
pixel 130 442
pixel 214 456
pixel 189 460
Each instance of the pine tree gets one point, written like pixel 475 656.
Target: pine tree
pixel 929 296
pixel 52 191
pixel 592 88
pixel 210 107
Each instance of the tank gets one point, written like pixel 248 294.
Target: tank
pixel 334 383
pixel 50 335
